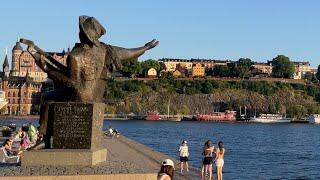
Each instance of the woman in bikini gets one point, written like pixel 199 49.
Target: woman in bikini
pixel 208 150
pixel 219 159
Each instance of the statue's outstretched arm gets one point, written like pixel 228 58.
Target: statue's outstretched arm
pixel 48 59
pixel 127 53
pixel 53 73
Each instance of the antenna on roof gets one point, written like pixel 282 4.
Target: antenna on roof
pixel 18 38
pixel 6 50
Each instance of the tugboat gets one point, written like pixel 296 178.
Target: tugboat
pixel 152 116
pixel 227 116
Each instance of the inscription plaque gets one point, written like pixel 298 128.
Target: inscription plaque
pixel 72 125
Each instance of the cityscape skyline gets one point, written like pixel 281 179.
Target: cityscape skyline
pixel 209 30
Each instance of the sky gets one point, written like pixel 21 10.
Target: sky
pixel 211 29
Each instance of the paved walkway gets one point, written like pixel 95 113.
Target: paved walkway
pixel 124 149
pixel 124 156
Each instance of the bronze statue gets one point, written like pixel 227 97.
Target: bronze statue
pixel 89 64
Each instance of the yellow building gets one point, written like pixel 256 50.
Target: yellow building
pixel 171 64
pixel 152 73
pixel 177 74
pixel 262 68
pixel 198 70
pixel 301 68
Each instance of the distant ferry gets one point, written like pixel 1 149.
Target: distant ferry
pixel 314 118
pixel 270 118
pixel 3 100
pixel 227 116
pixel 152 116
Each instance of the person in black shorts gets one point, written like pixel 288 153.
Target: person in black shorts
pixel 184 154
pixel 208 150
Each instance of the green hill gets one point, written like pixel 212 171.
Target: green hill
pixel 191 96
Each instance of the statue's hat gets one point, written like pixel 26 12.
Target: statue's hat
pixel 91 28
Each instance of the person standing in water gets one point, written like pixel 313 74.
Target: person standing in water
pixel 219 159
pixel 184 154
pixel 208 150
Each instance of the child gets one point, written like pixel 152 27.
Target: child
pixel 184 154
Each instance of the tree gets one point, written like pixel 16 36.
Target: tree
pixel 146 65
pixel 184 110
pixel 318 73
pixel 132 69
pixel 207 87
pixel 282 67
pixel 243 67
pixel 299 111
pixel 221 70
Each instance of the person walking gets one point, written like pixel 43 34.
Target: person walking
pixel 167 170
pixel 219 159
pixel 184 154
pixel 208 150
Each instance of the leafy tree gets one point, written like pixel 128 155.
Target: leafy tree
pixel 318 73
pixel 299 111
pixel 221 70
pixel 243 67
pixel 207 87
pixel 132 69
pixel 185 110
pixel 282 67
pixel 147 64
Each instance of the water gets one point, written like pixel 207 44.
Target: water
pixel 253 151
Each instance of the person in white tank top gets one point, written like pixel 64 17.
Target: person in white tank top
pixel 184 155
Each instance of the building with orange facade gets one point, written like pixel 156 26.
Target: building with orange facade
pixel 198 70
pixel 263 68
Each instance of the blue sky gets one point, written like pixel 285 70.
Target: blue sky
pixel 228 29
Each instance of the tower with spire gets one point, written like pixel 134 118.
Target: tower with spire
pixel 16 53
pixel 5 66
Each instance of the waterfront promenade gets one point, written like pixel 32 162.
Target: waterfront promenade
pixel 126 159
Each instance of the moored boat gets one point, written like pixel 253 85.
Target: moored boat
pixel 173 118
pixel 314 118
pixel 270 118
pixel 227 116
pixel 152 116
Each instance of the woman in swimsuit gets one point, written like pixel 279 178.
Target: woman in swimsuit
pixel 219 159
pixel 208 149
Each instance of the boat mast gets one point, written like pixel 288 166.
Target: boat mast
pixel 168 108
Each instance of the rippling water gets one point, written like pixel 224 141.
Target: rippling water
pixel 253 151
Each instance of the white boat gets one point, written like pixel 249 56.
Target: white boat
pixel 3 100
pixel 270 118
pixel 314 118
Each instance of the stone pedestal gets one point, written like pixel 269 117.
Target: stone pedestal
pixel 76 136
pixel 77 125
pixel 64 157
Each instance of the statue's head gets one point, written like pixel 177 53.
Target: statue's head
pixel 90 30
